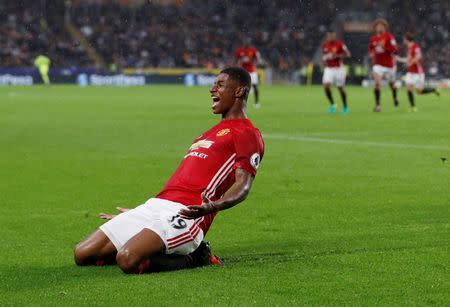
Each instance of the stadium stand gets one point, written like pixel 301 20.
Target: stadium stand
pixel 27 29
pixel 201 33
pixel 197 33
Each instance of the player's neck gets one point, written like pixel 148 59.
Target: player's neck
pixel 237 112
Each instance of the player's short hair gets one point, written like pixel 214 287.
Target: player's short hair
pixel 409 36
pixel 238 74
pixel 381 21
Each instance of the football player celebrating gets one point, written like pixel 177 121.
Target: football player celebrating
pixel 415 77
pixel 215 174
pixel 333 53
pixel 382 50
pixel 247 58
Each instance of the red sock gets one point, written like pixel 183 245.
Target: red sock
pixel 100 263
pixel 144 266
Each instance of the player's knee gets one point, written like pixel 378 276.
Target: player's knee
pixel 80 255
pixel 127 262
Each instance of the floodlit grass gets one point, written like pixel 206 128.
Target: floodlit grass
pixel 345 210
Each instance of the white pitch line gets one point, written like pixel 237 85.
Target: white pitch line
pixel 303 138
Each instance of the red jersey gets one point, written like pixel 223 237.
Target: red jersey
pixel 383 48
pixel 247 56
pixel 413 51
pixel 331 48
pixel 210 163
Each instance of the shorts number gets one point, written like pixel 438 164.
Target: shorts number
pixel 177 222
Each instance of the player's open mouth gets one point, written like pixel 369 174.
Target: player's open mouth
pixel 216 100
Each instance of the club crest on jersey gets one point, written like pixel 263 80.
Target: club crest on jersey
pixel 255 160
pixel 223 132
pixel 201 144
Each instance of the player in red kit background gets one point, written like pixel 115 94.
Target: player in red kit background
pixel 415 77
pixel 333 53
pixel 215 174
pixel 248 57
pixel 382 50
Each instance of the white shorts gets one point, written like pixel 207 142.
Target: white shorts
pixel 334 75
pixel 416 80
pixel 181 236
pixel 386 73
pixel 254 77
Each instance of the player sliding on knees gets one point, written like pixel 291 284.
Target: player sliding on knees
pixel 215 174
pixel 382 50
pixel 415 77
pixel 333 53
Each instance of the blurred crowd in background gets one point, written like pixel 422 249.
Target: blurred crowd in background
pixel 26 32
pixel 203 33
pixel 198 33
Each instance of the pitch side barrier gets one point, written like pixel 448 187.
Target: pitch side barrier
pixel 100 77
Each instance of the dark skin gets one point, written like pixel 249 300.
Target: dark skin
pixel 229 100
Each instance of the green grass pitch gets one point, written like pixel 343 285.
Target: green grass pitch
pixel 345 210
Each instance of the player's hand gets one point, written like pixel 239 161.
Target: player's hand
pixel 106 216
pixel 193 212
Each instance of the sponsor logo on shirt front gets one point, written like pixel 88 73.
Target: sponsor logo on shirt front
pixel 197 155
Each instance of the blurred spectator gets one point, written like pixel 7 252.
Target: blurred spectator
pixel 199 33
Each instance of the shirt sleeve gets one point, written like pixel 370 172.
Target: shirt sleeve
pixel 249 149
pixel 417 50
pixel 392 45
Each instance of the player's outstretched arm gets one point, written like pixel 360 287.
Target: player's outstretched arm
pixel 236 194
pixel 401 60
